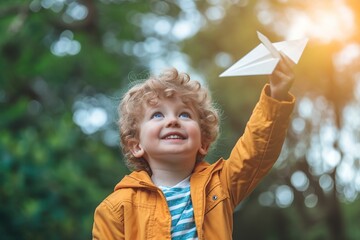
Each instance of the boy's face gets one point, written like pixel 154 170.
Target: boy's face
pixel 169 133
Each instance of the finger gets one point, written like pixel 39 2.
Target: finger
pixel 287 61
pixel 280 75
pixel 285 66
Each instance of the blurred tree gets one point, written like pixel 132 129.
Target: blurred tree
pixel 62 67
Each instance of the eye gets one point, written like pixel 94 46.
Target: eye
pixel 157 115
pixel 185 115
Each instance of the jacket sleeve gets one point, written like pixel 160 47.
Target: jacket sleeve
pixel 108 225
pixel 259 147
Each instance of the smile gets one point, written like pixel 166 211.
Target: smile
pixel 173 136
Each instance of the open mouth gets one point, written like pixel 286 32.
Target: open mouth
pixel 174 136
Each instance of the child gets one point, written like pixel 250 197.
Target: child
pixel 167 125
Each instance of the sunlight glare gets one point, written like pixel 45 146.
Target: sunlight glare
pixel 324 24
pixel 324 21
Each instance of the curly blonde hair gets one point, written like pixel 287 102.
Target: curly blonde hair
pixel 169 84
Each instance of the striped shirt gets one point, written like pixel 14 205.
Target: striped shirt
pixel 181 210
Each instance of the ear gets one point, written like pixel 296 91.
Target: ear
pixel 136 148
pixel 204 149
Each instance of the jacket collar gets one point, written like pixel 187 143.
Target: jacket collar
pixel 204 168
pixel 136 179
pixel 141 179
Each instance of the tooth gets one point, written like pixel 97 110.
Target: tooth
pixel 173 137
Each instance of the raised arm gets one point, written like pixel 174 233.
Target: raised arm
pixel 257 150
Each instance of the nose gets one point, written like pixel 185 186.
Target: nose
pixel 173 121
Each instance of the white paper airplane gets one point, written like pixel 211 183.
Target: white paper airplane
pixel 263 59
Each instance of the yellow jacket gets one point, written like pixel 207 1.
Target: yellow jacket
pixel 137 209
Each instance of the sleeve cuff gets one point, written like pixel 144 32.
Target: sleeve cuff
pixel 273 107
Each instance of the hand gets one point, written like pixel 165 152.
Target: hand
pixel 282 78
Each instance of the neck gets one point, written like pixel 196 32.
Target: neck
pixel 169 177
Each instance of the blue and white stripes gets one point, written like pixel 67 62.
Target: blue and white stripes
pixel 181 210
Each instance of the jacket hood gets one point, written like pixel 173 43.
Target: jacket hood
pixel 136 179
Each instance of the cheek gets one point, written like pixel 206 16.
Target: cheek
pixel 148 131
pixel 195 131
